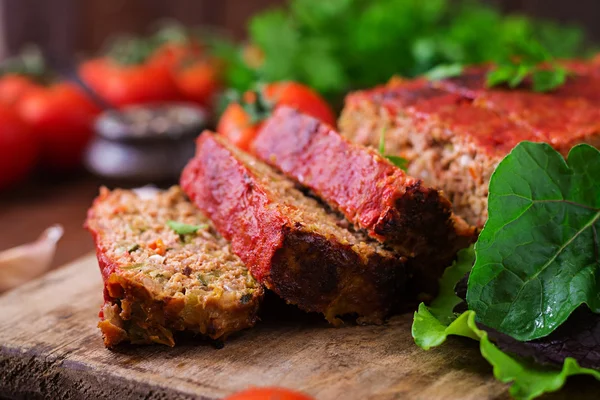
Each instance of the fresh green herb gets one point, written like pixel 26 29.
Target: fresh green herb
pixel 432 325
pixel 185 229
pixel 444 71
pixel 443 305
pixel 537 256
pixel 528 381
pixel 133 248
pixel 339 45
pixel 529 58
pixel 398 161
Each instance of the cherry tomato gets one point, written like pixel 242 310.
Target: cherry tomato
pixel 195 75
pixel 236 125
pixel 302 98
pixel 269 393
pixel 61 117
pixel 18 148
pixel 12 87
pixel 239 126
pixel 122 85
pixel 198 81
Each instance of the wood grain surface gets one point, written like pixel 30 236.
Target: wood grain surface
pixel 50 348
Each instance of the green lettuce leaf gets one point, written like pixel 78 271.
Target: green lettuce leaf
pixel 528 381
pixel 537 258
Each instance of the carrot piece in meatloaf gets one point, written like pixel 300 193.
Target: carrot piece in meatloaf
pixel 165 269
pixel 305 253
pixel 369 190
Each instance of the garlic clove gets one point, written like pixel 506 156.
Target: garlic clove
pixel 23 263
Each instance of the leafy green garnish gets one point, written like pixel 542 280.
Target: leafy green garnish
pixel 133 248
pixel 443 305
pixel 529 381
pixel 537 256
pixel 443 71
pixel 433 324
pixel 339 45
pixel 398 161
pixel 528 58
pixel 184 229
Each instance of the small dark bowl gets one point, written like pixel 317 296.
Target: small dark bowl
pixel 149 143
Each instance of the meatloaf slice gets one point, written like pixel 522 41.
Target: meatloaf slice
pixel 375 195
pixel 449 142
pixel 290 242
pixel 166 269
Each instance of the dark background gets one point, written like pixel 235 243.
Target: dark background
pixel 67 27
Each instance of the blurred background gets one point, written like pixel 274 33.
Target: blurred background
pixel 72 73
pixel 68 26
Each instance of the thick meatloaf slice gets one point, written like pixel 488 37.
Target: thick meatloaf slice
pixel 449 142
pixel 290 242
pixel 371 192
pixel 160 276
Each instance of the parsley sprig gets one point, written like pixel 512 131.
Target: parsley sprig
pixel 528 59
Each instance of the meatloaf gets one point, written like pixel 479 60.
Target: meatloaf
pixel 166 269
pixel 454 134
pixel 369 190
pixel 291 243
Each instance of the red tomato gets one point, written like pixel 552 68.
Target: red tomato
pixel 269 393
pixel 302 98
pixel 195 76
pixel 12 87
pixel 122 85
pixel 18 148
pixel 61 116
pixel 198 81
pixel 237 125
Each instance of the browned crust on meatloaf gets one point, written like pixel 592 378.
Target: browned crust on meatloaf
pixel 371 192
pixel 158 282
pixel 289 241
pixel 448 142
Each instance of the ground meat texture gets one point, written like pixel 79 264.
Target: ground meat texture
pixel 289 241
pixel 158 281
pixel 448 143
pixel 371 192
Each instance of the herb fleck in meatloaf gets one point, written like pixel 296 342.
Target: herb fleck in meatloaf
pixel 455 134
pixel 370 191
pixel 289 241
pixel 158 281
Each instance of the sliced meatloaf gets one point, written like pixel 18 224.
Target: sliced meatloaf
pixel 305 253
pixel 448 141
pixel 166 269
pixel 373 194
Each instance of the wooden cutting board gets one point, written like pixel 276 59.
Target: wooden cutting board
pixel 50 348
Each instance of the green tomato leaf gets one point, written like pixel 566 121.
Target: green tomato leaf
pixel 528 381
pixel 184 229
pixel 537 258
